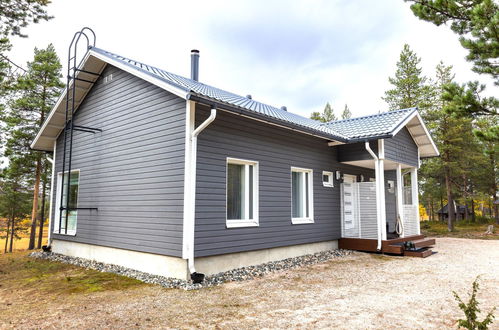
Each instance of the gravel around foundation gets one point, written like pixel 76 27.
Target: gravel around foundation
pixel 235 275
pixel 358 291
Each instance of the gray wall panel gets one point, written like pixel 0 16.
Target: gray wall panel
pixel 356 151
pixel 134 170
pixel 276 149
pixel 401 148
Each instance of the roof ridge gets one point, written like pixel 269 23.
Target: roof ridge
pixel 370 116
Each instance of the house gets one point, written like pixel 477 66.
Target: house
pixel 461 211
pixel 171 176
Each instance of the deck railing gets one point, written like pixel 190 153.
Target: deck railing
pixel 364 211
pixel 410 215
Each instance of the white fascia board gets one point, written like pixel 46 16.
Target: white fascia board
pixel 421 122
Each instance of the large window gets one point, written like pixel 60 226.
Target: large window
pixel 67 223
pixel 302 196
pixel 242 193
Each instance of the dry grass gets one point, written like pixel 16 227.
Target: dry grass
pixel 22 243
pixel 360 291
pixel 462 229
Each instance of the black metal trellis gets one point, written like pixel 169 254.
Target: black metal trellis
pixel 69 126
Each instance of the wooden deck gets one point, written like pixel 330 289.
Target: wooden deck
pixel 412 246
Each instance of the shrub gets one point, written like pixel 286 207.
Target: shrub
pixel 471 311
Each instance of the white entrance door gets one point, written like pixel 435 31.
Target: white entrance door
pixel 349 201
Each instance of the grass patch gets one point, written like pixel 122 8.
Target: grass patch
pixel 462 229
pixel 20 272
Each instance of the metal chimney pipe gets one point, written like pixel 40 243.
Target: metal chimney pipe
pixel 195 64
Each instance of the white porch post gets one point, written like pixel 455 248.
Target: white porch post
pixel 381 185
pixel 400 198
pixel 414 195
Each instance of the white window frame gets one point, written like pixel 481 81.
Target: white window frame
pixel 330 182
pixel 57 214
pixel 310 218
pixel 238 223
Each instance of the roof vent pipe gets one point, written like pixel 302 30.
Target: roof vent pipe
pixel 249 96
pixel 195 64
pixel 284 108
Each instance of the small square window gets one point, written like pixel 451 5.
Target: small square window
pixel 327 179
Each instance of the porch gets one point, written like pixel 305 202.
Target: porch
pixel 381 214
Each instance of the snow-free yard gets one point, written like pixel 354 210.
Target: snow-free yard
pixel 358 291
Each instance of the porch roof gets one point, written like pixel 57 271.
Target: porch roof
pixel 386 125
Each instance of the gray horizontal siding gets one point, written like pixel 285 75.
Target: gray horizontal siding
pixel 133 171
pixel 356 151
pixel 401 148
pixel 276 149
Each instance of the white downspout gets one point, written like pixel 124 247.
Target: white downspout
pixel 192 190
pixel 378 206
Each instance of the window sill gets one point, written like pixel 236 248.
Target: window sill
pixel 65 234
pixel 241 223
pixel 299 221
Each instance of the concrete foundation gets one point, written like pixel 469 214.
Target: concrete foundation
pixel 145 262
pixel 221 263
pixel 177 267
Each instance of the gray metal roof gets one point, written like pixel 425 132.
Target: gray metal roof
pixel 349 130
pixel 209 92
pixel 379 125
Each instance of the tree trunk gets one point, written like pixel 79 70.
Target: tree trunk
pixel 42 216
pixel 432 215
pixel 466 211
pixel 34 211
pixel 12 230
pixel 450 202
pixel 473 218
pixel 441 215
pixel 7 236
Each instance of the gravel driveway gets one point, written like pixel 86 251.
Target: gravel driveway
pixel 358 291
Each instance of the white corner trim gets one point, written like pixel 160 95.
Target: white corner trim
pixel 52 182
pixel 187 239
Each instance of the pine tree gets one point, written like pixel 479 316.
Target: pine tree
pixel 346 114
pixel 476 22
pixel 37 92
pixel 410 86
pixel 326 116
pixel 17 14
pixel 14 201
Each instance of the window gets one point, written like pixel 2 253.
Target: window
pixel 301 196
pixel 327 179
pixel 67 224
pixel 242 193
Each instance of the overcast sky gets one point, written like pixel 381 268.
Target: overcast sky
pixel 300 54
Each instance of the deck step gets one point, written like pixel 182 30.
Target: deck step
pixel 421 253
pixel 395 249
pixel 422 243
